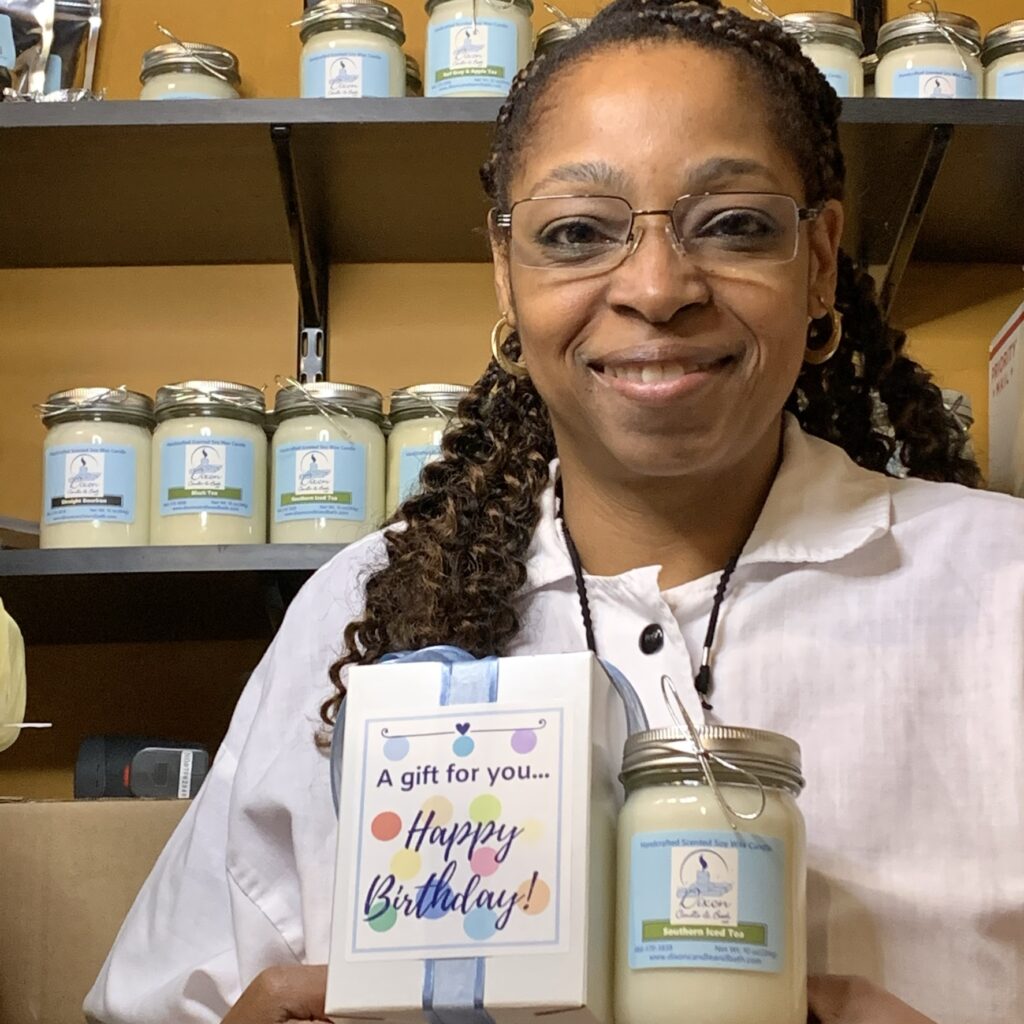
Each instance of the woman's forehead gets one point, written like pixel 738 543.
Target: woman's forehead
pixel 647 114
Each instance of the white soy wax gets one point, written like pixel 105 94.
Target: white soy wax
pixel 918 60
pixel 327 464
pixel 1003 58
pixel 476 47
pixel 209 465
pixel 189 71
pixel 711 917
pixel 833 43
pixel 419 417
pixel 352 49
pixel 96 463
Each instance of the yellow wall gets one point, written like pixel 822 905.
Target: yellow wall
pixel 391 325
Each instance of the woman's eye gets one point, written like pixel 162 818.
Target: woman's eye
pixel 576 234
pixel 739 225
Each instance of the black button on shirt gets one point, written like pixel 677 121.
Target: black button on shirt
pixel 652 639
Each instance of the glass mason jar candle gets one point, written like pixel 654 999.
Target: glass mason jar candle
pixel 833 43
pixel 419 417
pixel 328 464
pixel 918 60
pixel 1003 58
pixel 413 77
pixel 352 49
pixel 476 47
pixel 209 465
pixel 711 917
pixel 189 71
pixel 550 37
pixel 96 459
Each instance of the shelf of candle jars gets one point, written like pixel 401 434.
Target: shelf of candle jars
pixel 395 180
pixel 104 595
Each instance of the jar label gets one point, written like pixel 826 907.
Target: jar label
pixel 322 481
pixel 88 483
pixel 346 74
pixel 461 58
pixel 212 474
pixel 707 899
pixel 935 84
pixel 839 80
pixel 1009 84
pixel 411 461
pixel 8 54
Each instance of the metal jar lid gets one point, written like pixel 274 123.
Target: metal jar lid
pixel 426 400
pixel 551 36
pixel 921 27
pixel 413 76
pixel 344 399
pixel 210 398
pixel 825 27
pixel 667 755
pixel 369 15
pixel 116 404
pixel 482 7
pixel 193 57
pixel 1004 39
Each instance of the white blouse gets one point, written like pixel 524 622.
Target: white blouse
pixel 878 622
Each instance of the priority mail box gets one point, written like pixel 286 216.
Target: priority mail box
pixel 1006 407
pixel 475 863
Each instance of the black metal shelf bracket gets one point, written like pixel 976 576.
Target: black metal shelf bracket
pixel 310 266
pixel 939 138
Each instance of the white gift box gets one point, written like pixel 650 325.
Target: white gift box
pixel 1006 407
pixel 475 859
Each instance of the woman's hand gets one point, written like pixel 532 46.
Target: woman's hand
pixel 838 999
pixel 280 995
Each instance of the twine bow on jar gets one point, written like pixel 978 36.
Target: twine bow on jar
pixel 956 39
pixel 109 395
pixel 706 758
pixel 207 63
pixel 330 411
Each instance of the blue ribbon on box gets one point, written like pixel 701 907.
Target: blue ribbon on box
pixel 453 989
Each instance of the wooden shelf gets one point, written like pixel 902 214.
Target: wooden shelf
pixel 396 180
pixel 102 595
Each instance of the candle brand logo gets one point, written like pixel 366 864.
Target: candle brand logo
pixel 705 886
pixel 206 467
pixel 314 472
pixel 345 78
pixel 469 47
pixel 83 475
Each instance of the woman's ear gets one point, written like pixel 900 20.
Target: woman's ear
pixel 502 269
pixel 824 235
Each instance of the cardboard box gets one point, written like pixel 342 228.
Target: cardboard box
pixel 69 872
pixel 1006 407
pixel 476 842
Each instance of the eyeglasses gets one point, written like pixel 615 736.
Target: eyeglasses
pixel 585 235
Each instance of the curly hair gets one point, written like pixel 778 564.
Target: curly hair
pixel 455 569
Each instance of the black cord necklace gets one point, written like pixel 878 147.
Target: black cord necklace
pixel 702 680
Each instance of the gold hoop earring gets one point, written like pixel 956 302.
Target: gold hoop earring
pixel 510 366
pixel 817 356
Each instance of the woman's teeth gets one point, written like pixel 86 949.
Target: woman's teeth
pixel 647 373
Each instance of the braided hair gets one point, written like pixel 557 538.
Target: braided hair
pixel 455 569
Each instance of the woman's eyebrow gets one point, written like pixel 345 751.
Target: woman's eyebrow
pixel 590 172
pixel 702 178
pixel 722 169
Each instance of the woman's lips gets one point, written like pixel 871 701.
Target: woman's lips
pixel 659 381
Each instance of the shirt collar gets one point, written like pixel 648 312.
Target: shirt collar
pixel 821 507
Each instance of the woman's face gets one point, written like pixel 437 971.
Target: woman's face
pixel 659 368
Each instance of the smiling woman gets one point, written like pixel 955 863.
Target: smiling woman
pixel 676 458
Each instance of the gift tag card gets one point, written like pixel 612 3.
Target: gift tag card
pixel 462 832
